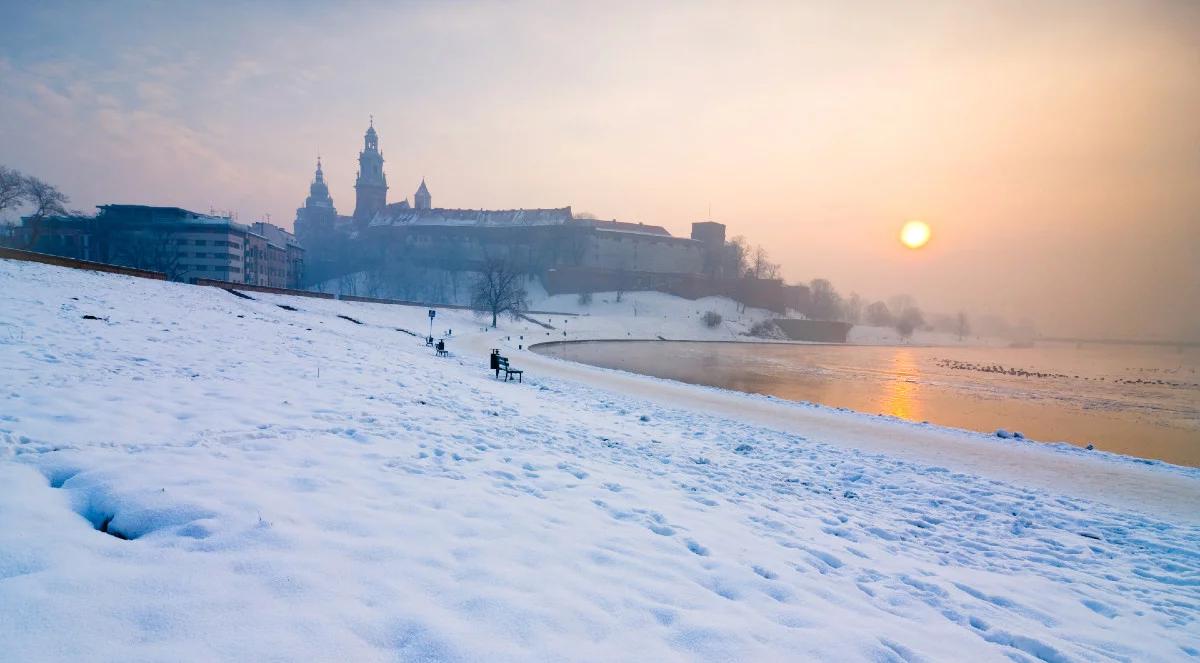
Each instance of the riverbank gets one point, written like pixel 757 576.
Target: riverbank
pixel 190 475
pixel 659 316
pixel 1137 401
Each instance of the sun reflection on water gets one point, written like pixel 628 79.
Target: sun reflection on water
pixel 901 392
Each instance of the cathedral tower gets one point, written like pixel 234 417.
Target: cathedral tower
pixel 422 199
pixel 317 218
pixel 318 191
pixel 371 185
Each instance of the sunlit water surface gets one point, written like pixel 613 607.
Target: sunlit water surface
pixel 1138 400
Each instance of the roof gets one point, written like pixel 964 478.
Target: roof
pixel 395 215
pixel 131 208
pixel 157 214
pixel 625 227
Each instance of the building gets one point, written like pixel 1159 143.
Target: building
pixel 370 188
pixel 256 268
pixel 462 239
pixel 422 199
pixel 67 236
pixel 316 221
pixel 285 256
pixel 182 244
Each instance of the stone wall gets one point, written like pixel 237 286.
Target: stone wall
pixel 643 253
pixel 820 331
pixel 74 263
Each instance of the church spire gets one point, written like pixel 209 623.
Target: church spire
pixel 422 199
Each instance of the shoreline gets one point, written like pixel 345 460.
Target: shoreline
pixel 1147 485
pixel 1168 455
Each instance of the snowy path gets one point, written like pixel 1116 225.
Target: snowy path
pixel 1143 486
pixel 195 476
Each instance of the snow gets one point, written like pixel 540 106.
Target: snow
pixel 292 485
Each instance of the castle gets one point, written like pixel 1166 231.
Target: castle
pixel 566 252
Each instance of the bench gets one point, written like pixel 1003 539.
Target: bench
pixel 509 371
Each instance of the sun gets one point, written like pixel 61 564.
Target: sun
pixel 915 234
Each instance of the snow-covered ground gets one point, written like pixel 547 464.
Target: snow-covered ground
pixel 646 315
pixel 652 315
pixel 280 484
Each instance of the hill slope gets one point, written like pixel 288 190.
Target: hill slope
pixel 189 475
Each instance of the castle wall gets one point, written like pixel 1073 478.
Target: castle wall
pixel 642 253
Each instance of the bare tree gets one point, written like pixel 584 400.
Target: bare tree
pixel 624 280
pixel 878 315
pixel 498 289
pixel 909 320
pixel 852 309
pixel 47 201
pixel 12 188
pixel 760 265
pixel 348 284
pixel 152 249
pixel 739 257
pixel 826 303
pixel 898 303
pixel 964 326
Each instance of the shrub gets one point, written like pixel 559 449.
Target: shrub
pixel 585 299
pixel 767 329
pixel 711 319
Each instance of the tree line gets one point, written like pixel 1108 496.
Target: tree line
pixel 819 299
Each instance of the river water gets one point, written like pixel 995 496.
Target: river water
pixel 1137 400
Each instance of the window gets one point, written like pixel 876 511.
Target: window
pixel 201 268
pixel 236 270
pixel 202 242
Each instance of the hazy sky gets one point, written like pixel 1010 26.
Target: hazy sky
pixel 1053 146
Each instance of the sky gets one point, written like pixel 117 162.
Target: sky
pixel 1054 147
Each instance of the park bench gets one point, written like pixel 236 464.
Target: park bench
pixel 500 364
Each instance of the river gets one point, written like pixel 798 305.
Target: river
pixel 1138 400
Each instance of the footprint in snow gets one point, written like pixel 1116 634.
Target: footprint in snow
pixel 769 575
pixel 577 473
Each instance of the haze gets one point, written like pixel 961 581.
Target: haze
pixel 1053 147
